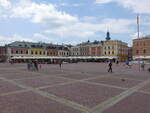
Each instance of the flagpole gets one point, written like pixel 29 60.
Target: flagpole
pixel 138 36
pixel 138 26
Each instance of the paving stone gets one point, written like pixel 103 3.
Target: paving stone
pixel 42 81
pixel 130 76
pixel 125 83
pixel 136 103
pixel 6 87
pixel 20 75
pixel 146 88
pixel 29 102
pixel 86 94
pixel 78 76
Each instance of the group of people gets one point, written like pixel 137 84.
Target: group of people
pixel 32 65
pixel 128 64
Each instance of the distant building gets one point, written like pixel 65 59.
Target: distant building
pixel 18 49
pixel 75 51
pixel 115 49
pixel 141 48
pixel 3 53
pixel 84 50
pixel 63 51
pixel 52 51
pixel 29 49
pixel 95 50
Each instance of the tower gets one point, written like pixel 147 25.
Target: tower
pixel 108 36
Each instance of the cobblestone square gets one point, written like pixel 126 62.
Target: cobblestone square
pixel 76 88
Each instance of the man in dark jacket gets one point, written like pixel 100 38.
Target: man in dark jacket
pixel 110 67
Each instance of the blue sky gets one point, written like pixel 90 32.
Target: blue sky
pixel 72 21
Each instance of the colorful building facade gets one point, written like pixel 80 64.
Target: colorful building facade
pixel 95 50
pixel 115 49
pixel 141 48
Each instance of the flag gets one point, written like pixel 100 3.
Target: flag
pixel 138 19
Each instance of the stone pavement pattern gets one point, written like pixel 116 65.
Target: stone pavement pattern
pixel 77 88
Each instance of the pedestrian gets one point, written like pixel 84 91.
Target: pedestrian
pixel 36 65
pixel 143 66
pixel 117 62
pixel 110 67
pixel 60 64
pixel 127 63
pixel 130 64
pixel 28 66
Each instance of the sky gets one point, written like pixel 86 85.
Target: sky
pixel 72 21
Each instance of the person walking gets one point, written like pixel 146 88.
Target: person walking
pixel 143 66
pixel 36 65
pixel 110 67
pixel 28 66
pixel 60 64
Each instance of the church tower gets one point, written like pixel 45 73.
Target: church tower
pixel 108 36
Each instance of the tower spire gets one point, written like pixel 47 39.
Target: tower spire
pixel 108 35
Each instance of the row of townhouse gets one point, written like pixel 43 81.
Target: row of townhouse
pixel 112 49
pixel 108 49
pixel 29 49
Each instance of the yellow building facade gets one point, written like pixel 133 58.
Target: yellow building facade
pixel 38 52
pixel 115 49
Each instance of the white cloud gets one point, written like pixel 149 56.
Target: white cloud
pixel 135 35
pixel 37 12
pixel 69 4
pixel 5 3
pixel 103 1
pixel 84 30
pixel 61 24
pixel 37 37
pixel 15 37
pixel 41 37
pixel 42 13
pixel 137 6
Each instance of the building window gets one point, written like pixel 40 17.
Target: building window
pixel 12 51
pixel 137 51
pixel 16 52
pixel 40 52
pixel 21 52
pixel 43 53
pixel 32 52
pixel 26 52
pixel 36 52
pixel 105 53
pixel 109 52
pixel 144 51
pixel 112 52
